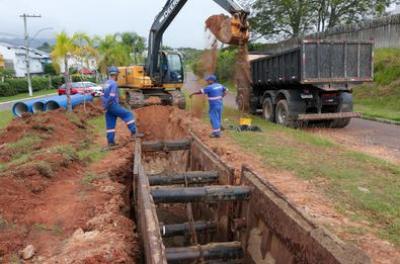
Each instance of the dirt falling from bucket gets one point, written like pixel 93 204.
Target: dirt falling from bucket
pixel 220 26
pixel 242 78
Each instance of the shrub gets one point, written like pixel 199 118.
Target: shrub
pixel 20 84
pixel 57 81
pixel 40 83
pixel 7 90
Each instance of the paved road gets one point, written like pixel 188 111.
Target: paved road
pixel 382 140
pixel 9 105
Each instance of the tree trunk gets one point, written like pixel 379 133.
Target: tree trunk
pixel 67 85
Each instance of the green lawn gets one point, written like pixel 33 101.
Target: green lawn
pixel 362 187
pixel 5 118
pixel 26 95
pixel 381 99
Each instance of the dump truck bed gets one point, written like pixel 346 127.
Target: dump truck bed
pixel 317 62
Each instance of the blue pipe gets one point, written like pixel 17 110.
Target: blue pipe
pixel 57 102
pixel 29 106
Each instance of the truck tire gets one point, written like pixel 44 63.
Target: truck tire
pixel 346 105
pixel 268 110
pixel 135 99
pixel 178 99
pixel 340 123
pixel 283 116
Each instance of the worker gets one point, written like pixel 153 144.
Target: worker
pixel 114 109
pixel 215 92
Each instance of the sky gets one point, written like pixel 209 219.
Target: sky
pixel 100 17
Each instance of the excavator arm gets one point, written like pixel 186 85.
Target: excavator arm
pixel 164 19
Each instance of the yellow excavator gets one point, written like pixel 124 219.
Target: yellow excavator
pixel 163 74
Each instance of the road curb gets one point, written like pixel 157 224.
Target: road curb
pixel 381 120
pixel 24 99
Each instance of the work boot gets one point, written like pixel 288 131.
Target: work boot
pixel 215 136
pixel 110 146
pixel 136 135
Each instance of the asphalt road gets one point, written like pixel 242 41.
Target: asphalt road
pixel 379 139
pixel 9 105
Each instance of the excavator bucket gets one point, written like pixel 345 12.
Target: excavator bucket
pixel 229 30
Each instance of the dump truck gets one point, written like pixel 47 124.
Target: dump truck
pixel 310 82
pixel 163 74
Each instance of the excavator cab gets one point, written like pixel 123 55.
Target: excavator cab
pixel 171 68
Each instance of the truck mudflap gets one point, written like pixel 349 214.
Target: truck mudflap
pixel 327 116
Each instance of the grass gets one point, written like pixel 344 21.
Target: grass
pixel 381 99
pixel 5 118
pixel 365 187
pixel 26 95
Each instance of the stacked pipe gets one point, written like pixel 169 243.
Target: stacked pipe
pixel 48 104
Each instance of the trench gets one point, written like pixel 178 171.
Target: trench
pixel 188 209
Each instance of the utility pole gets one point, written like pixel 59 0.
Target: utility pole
pixel 28 70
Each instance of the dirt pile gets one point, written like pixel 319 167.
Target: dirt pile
pixel 89 110
pixel 70 210
pixel 162 122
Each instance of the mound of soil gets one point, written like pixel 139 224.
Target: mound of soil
pixel 55 125
pixel 68 210
pixel 162 122
pixel 89 110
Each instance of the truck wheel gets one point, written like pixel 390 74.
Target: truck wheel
pixel 135 99
pixel 340 123
pixel 346 105
pixel 283 116
pixel 268 110
pixel 178 99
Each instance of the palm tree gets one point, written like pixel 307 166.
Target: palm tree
pixel 84 48
pixel 112 52
pixel 62 51
pixel 135 43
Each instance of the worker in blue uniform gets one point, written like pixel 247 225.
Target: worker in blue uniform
pixel 215 92
pixel 114 109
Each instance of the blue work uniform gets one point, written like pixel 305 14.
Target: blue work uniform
pixel 115 110
pixel 215 93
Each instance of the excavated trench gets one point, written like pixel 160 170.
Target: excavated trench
pixel 188 208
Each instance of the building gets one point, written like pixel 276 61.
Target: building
pixel 74 62
pixel 14 59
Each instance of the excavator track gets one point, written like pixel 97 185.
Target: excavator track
pixel 137 99
pixel 192 209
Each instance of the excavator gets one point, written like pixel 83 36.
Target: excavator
pixel 163 74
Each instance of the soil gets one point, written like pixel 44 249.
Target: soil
pixel 220 26
pixel 70 211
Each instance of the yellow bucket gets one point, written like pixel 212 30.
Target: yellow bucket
pixel 245 121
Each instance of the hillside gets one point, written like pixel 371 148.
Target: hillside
pixel 381 99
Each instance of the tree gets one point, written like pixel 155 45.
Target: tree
pixel 291 18
pixel 135 43
pixel 287 18
pixel 331 13
pixel 84 49
pixel 112 52
pixel 62 51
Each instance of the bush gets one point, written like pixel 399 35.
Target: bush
pixel 40 83
pixel 20 84
pixel 83 78
pixel 57 81
pixel 7 90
